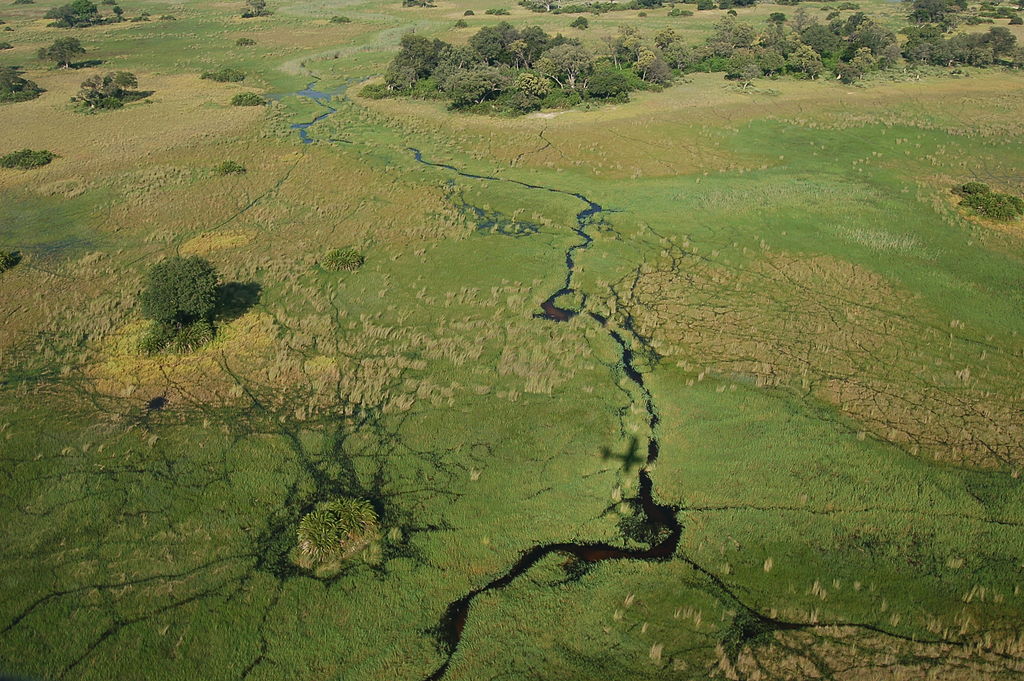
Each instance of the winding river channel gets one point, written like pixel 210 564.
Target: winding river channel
pixel 661 519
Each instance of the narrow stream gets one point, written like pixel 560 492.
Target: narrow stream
pixel 657 516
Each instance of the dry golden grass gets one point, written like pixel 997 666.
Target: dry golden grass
pixel 851 654
pixel 840 333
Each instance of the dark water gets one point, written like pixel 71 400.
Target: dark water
pixel 659 517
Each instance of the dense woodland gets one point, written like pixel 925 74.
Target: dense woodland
pixel 505 69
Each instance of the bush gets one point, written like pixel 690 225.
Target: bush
pixel 6 46
pixel 497 12
pixel 335 530
pixel 192 337
pixel 9 259
pixel 342 259
pixel 340 20
pixel 245 42
pixel 224 75
pixel 156 339
pixel 608 83
pixel 26 159
pixel 676 12
pixel 461 23
pixel 229 168
pixel 995 206
pixel 1016 21
pixel 247 99
pixel 168 17
pixel 24 2
pixel 580 23
pixel 973 188
pixel 180 291
pixel 374 91
pixel 468 13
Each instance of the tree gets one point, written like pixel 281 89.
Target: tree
pixel 62 51
pixel 566 64
pixel 109 91
pixel 472 86
pixel 665 37
pixel 255 8
pixel 180 291
pixel 14 88
pixel 821 39
pixel 74 15
pixel 607 83
pixel 806 61
pixel 531 84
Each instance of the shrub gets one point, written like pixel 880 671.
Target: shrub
pixel 374 91
pixel 245 42
pixel 9 259
pixel 580 23
pixel 224 75
pixel 168 17
pixel 156 339
pixel 180 291
pixel 973 188
pixel 6 46
pixel 461 23
pixel 468 13
pixel 676 12
pixel 26 159
pixel 192 336
pixel 247 99
pixel 496 12
pixel 342 259
pixel 995 206
pixel 1016 21
pixel 229 168
pixel 24 2
pixel 340 20
pixel 641 14
pixel 335 530
pixel 608 84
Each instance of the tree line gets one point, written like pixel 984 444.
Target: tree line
pixel 505 69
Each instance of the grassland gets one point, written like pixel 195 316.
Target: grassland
pixel 832 349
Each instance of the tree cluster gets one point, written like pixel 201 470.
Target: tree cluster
pixel 507 69
pixel 82 13
pixel 927 44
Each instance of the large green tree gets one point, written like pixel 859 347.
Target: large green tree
pixel 180 291
pixel 62 51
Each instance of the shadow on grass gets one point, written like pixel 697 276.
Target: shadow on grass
pixel 86 64
pixel 235 298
